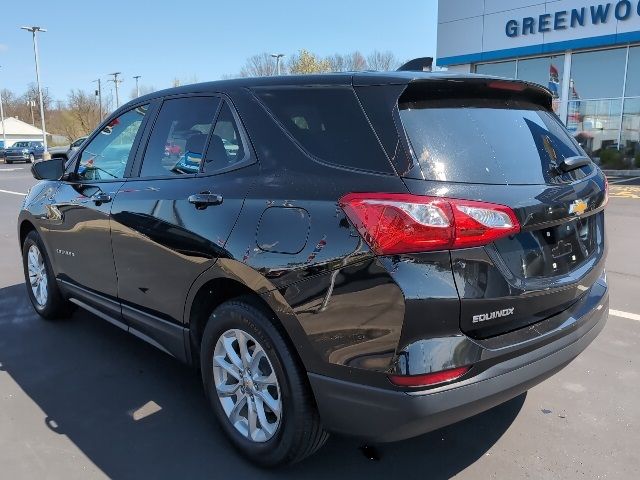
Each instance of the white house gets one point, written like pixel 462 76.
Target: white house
pixel 16 130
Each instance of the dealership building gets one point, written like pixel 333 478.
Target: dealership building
pixel 586 52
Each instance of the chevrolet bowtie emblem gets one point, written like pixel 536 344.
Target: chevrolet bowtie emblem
pixel 578 207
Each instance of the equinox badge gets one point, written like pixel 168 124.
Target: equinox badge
pixel 493 315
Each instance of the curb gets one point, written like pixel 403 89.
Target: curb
pixel 622 173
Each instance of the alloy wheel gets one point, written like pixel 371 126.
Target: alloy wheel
pixel 247 385
pixel 37 275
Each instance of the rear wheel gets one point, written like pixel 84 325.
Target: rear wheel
pixel 257 390
pixel 32 158
pixel 8 162
pixel 42 287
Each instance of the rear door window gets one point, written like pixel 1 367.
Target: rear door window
pixel 329 124
pixel 226 148
pixel 179 137
pixel 486 141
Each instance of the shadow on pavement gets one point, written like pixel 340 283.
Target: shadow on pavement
pixel 91 380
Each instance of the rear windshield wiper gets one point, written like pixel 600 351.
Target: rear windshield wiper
pixel 571 163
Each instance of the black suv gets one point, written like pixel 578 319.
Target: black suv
pixel 369 254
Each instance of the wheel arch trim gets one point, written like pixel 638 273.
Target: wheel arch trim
pixel 255 283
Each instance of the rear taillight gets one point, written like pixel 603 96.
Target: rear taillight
pixel 394 223
pixel 428 379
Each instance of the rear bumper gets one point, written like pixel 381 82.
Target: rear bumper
pixel 381 415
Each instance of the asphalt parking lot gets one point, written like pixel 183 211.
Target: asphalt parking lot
pixel 82 399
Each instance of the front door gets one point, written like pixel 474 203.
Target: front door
pixel 77 222
pixel 171 223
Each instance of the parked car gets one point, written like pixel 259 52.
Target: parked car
pixel 378 255
pixel 67 150
pixel 27 152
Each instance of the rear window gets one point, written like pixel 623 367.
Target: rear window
pixel 488 141
pixel 329 124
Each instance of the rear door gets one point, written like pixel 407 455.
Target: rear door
pixel 502 147
pixel 171 222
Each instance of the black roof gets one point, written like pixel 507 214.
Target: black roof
pixel 341 78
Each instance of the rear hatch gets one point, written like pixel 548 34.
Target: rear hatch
pixel 498 141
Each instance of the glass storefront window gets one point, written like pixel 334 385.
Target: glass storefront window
pixel 598 74
pixel 501 69
pixel 597 95
pixel 630 139
pixel 633 73
pixel 595 124
pixel 546 71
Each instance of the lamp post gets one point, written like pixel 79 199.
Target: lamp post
pixel 277 56
pixel 34 30
pixel 137 77
pixel 4 133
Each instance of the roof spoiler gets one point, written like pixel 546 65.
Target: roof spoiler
pixel 421 64
pixel 476 86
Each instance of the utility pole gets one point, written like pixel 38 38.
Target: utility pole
pixel 116 81
pixel 277 56
pixel 4 134
pixel 99 95
pixel 34 30
pixel 137 77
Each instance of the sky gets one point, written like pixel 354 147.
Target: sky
pixel 195 40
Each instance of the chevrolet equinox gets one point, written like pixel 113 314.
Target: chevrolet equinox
pixel 370 254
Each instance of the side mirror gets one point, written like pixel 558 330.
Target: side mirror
pixel 49 169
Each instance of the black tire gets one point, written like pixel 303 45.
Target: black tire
pixel 55 306
pixel 32 158
pixel 300 431
pixel 8 162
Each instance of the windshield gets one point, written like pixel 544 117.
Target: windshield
pixel 486 141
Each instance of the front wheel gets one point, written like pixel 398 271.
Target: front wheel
pixel 32 158
pixel 256 388
pixel 42 287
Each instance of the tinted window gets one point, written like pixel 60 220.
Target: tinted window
pixel 502 69
pixel 179 136
pixel 225 147
pixel 329 124
pixel 633 73
pixel 106 156
pixel 486 141
pixel 598 74
pixel 546 71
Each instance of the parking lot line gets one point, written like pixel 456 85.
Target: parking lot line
pixel 630 316
pixel 630 179
pixel 13 193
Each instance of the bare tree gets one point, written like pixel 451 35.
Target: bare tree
pixel 260 65
pixel 337 63
pixel 382 61
pixel 355 62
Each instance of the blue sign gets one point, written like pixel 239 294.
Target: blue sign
pixel 574 18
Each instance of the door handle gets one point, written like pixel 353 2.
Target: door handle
pixel 100 198
pixel 205 199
